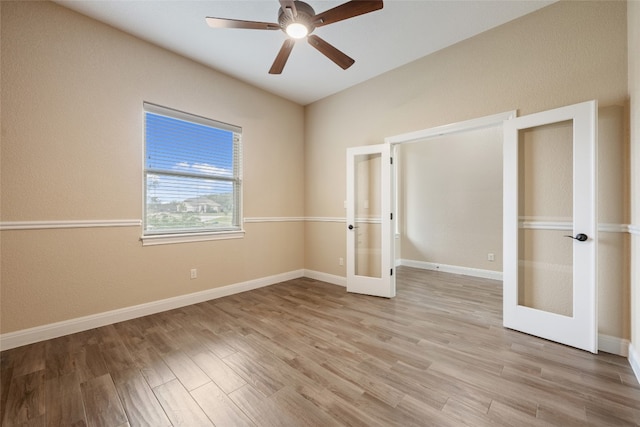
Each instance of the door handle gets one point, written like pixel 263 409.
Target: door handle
pixel 351 227
pixel 580 237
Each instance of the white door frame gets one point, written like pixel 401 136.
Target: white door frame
pixel 484 122
pixel 510 219
pixel 372 286
pixel 458 127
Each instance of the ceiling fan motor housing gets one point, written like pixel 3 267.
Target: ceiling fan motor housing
pixel 305 16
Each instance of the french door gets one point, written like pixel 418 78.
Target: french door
pixel 550 225
pixel 370 268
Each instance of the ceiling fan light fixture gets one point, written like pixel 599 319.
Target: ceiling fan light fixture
pixel 298 25
pixel 298 20
pixel 297 30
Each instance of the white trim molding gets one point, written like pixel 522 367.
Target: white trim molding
pixel 613 228
pixel 464 126
pixel 326 277
pixel 634 361
pixel 93 223
pixel 66 327
pixel 371 220
pixel 608 344
pixel 275 219
pixel 525 222
pixel 454 269
pixel 325 219
pixel 568 226
pixel 613 345
pixel 167 239
pixel 98 223
pixel 546 225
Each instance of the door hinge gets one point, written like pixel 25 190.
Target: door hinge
pixel 391 216
pixel 391 160
pixel 391 272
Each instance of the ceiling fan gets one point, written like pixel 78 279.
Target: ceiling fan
pixel 298 20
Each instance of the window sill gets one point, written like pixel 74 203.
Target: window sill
pixel 168 239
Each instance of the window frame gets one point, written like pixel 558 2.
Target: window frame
pixel 198 235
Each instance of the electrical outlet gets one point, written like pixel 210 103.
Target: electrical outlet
pixel 341 261
pixel 194 273
pixel 491 256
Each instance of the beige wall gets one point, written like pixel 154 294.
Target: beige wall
pixel 72 94
pixel 450 199
pixel 566 53
pixel 633 12
pixel 71 112
pixel 613 209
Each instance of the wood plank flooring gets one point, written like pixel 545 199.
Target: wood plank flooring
pixel 306 353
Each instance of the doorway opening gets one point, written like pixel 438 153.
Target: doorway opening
pixel 449 203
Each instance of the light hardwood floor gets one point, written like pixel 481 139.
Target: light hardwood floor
pixel 306 353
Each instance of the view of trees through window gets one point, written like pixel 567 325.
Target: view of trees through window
pixel 209 211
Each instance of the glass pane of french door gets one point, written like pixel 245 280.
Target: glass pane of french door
pixel 545 209
pixel 367 215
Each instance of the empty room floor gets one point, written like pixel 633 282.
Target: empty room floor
pixel 306 353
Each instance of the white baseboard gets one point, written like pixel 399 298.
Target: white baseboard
pixel 326 277
pixel 634 361
pixel 613 345
pixel 10 340
pixel 467 271
pixel 58 329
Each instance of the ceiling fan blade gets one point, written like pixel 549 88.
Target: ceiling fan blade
pixel 290 5
pixel 283 55
pixel 237 23
pixel 330 52
pixel 346 11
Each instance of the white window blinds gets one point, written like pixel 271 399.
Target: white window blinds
pixel 192 173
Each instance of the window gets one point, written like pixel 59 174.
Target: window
pixel 192 177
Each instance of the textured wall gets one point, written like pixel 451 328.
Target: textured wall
pixel 565 53
pixel 633 11
pixel 450 199
pixel 72 94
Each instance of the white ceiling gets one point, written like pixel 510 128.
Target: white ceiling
pixel 401 32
